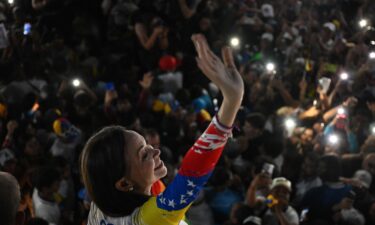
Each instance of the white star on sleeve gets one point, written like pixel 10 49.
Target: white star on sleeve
pixel 162 200
pixel 171 203
pixel 182 201
pixel 190 193
pixel 191 184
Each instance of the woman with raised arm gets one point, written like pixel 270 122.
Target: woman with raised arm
pixel 119 168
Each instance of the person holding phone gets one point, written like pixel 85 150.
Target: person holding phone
pixel 119 169
pixel 341 127
pixel 260 186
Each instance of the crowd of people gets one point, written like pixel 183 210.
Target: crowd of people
pixel 302 149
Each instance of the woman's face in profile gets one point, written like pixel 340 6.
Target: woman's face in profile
pixel 144 164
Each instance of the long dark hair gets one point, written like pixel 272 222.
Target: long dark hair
pixel 103 163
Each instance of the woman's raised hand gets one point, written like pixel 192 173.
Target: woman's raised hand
pixel 223 74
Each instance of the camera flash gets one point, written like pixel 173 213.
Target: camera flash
pixel 234 42
pixel 344 76
pixel 270 66
pixel 76 82
pixel 333 139
pixel 290 123
pixel 340 110
pixel 362 23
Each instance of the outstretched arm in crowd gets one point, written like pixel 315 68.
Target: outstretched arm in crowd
pixel 287 97
pixel 148 42
pixel 327 116
pixel 260 181
pixel 186 11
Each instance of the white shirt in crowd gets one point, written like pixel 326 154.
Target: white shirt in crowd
pixel 46 210
pixel 290 214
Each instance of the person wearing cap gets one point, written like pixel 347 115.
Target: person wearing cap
pixel 326 38
pixel 281 212
pixel 267 11
pixel 361 182
pixel 266 44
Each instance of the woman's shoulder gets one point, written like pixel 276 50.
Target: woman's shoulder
pixel 96 216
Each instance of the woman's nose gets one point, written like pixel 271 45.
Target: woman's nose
pixel 156 152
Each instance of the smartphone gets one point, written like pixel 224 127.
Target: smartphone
pixel 268 168
pixel 109 86
pixel 27 29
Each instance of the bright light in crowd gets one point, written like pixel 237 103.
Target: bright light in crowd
pixel 362 23
pixel 76 82
pixel 290 123
pixel 235 42
pixel 344 76
pixel 315 102
pixel 372 128
pixel 341 110
pixel 333 139
pixel 373 42
pixel 270 66
pixel 10 1
pixel 371 55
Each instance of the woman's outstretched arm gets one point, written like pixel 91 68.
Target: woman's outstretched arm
pixel 169 207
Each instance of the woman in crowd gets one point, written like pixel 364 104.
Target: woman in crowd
pixel 119 169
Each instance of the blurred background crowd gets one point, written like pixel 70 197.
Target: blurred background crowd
pixel 303 146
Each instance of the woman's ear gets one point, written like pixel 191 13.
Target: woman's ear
pixel 123 185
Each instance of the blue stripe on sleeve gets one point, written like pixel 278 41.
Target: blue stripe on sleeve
pixel 181 192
